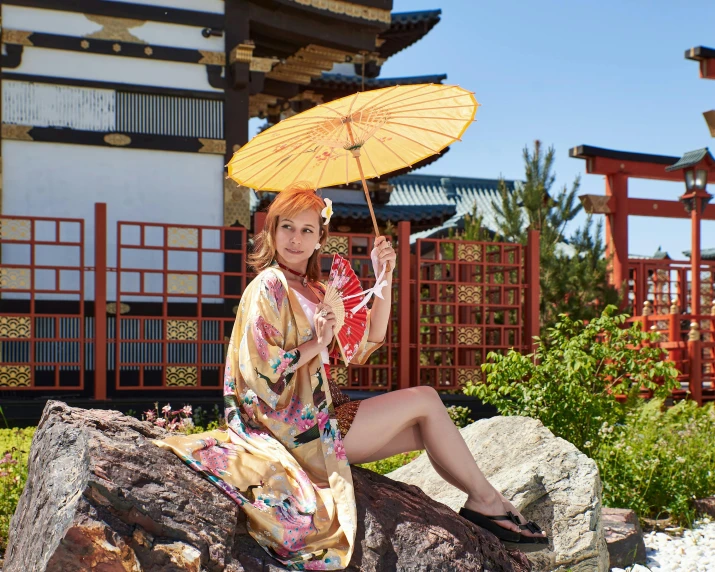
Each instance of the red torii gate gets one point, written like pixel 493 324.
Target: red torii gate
pixel 618 167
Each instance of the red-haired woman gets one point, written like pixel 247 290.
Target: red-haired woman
pixel 284 455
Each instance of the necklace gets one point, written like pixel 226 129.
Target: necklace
pixel 303 277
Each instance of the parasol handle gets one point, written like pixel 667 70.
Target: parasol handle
pixel 356 154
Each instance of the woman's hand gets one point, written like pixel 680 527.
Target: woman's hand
pixel 325 323
pixel 383 253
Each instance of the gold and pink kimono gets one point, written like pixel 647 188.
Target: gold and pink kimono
pixel 281 458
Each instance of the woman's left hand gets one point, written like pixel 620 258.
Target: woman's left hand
pixel 383 253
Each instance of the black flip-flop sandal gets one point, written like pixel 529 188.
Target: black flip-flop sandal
pixel 487 523
pixel 529 543
pixel 510 539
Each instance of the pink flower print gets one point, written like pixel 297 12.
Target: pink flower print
pixel 260 505
pixel 340 450
pixel 160 422
pixel 275 289
pixel 166 409
pixel 186 410
pixel 259 338
pixel 150 415
pixel 283 362
pixel 323 419
pixel 305 424
pixel 229 383
pixel 315 565
pixel 214 459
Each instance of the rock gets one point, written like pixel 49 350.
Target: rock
pixel 624 537
pixel 101 496
pixel 545 477
pixel 705 507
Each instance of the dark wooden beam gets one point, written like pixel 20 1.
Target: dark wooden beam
pixel 300 29
pixel 119 140
pixel 637 165
pixel 118 49
pixel 128 10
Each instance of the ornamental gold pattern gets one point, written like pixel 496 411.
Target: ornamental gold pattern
pixel 183 237
pixel 15 327
pixel 115 28
pixel 17 132
pixel 18 37
pixel 339 375
pixel 180 376
pixel 123 308
pixel 214 146
pixel 15 375
pixel 212 58
pixel 14 278
pixel 182 283
pixel 469 335
pixel 469 294
pixel 236 204
pixel 336 245
pixel 470 374
pixel 469 252
pixel 15 229
pixel 181 329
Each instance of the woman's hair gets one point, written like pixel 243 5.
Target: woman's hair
pixel 294 200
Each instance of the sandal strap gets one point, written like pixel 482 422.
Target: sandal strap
pixel 532 527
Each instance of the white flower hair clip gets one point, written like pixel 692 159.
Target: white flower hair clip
pixel 327 212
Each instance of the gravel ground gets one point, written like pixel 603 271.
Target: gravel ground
pixel 694 551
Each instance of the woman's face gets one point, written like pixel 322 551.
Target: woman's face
pixel 296 237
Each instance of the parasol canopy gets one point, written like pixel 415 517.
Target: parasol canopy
pixel 357 137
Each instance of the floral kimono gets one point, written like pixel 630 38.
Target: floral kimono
pixel 282 458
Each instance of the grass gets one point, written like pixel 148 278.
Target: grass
pixel 14 453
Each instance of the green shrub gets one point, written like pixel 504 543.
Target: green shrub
pixel 459 415
pixel 571 380
pixel 14 452
pixel 388 465
pixel 659 459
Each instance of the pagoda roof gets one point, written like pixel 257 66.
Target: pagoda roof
pixel 461 192
pixel 406 29
pixel 334 86
pixel 705 253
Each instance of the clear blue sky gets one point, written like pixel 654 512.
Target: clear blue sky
pixel 569 72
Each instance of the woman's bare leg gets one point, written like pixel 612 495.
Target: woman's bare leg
pixel 407 441
pixel 381 428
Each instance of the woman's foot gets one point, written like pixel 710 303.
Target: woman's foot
pixel 496 505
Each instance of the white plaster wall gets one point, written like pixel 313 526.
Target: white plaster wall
pixel 56 180
pixel 97 67
pixel 77 24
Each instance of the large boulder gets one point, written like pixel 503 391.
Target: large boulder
pixel 545 477
pixel 101 496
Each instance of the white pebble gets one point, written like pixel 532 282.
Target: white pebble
pixel 694 551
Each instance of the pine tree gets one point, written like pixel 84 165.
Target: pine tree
pixel 573 269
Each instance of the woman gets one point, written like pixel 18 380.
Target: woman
pixel 284 456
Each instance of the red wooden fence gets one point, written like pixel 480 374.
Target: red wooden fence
pixel 176 289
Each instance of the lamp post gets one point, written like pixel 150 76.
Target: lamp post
pixel 696 166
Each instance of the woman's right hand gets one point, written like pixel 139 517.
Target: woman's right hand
pixel 325 323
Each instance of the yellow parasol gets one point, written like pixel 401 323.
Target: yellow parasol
pixel 360 136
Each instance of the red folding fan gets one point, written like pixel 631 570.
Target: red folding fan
pixel 343 295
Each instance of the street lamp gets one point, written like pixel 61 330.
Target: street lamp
pixel 696 166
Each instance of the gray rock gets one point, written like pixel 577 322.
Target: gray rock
pixel 545 477
pixel 624 537
pixel 101 496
